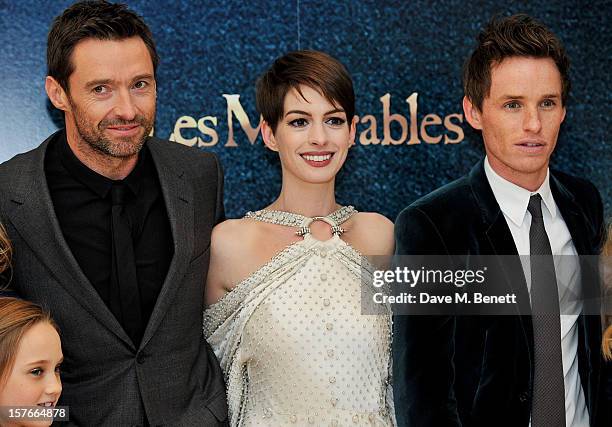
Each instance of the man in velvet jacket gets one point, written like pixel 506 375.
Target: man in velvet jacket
pixel 111 232
pixel 480 370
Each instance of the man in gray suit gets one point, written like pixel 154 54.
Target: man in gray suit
pixel 111 232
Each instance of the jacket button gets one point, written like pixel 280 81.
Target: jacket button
pixel 523 397
pixel 140 358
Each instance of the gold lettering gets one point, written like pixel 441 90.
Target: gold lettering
pixel 413 105
pixel 388 118
pixel 214 137
pixel 234 107
pixel 369 136
pixel 430 120
pixel 184 122
pixel 208 135
pixel 452 127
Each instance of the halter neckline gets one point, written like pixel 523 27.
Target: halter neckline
pixel 291 219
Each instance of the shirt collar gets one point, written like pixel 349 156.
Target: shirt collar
pixel 513 200
pixel 100 184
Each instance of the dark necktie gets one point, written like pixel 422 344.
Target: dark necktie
pixel 125 294
pixel 548 403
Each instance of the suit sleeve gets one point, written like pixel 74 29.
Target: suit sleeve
pixel 219 209
pixel 423 345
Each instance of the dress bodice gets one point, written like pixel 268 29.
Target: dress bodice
pixel 301 351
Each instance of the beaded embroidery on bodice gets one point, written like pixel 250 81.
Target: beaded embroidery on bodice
pixel 291 219
pixel 292 341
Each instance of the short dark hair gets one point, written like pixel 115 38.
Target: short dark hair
pixel 92 19
pixel 311 68
pixel 516 35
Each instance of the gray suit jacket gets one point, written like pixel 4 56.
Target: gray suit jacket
pixel 173 377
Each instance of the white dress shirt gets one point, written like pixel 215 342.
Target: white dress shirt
pixel 513 201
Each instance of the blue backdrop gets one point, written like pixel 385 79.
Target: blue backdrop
pixel 405 59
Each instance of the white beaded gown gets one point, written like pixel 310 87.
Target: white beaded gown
pixel 292 341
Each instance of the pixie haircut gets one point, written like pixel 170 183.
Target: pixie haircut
pixel 516 35
pixel 16 318
pixel 311 68
pixel 92 20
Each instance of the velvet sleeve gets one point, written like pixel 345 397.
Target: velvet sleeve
pixel 423 345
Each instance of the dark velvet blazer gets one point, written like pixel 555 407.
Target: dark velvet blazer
pixel 172 377
pixel 478 370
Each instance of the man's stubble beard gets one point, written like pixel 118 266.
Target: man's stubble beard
pixel 93 135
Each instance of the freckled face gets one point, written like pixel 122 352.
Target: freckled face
pixel 313 137
pixel 521 117
pixel 34 379
pixel 112 95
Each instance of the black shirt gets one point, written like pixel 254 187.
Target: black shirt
pixel 82 202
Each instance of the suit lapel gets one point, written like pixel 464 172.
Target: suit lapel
pixel 573 215
pixel 33 216
pixel 493 220
pixel 178 197
pixel 500 240
pixel 581 231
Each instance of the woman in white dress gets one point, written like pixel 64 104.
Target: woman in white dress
pixel 284 285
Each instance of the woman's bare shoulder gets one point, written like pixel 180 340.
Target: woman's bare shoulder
pixel 233 243
pixel 372 233
pixel 233 233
